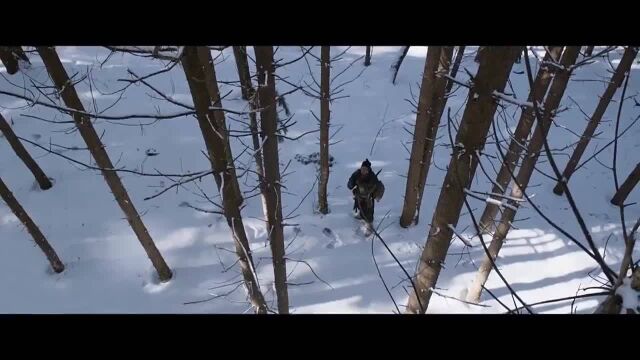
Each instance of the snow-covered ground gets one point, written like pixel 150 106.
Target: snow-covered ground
pixel 108 271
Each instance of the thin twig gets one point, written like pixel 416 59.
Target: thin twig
pixel 310 268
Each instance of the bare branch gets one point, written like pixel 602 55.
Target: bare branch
pixel 310 268
pixel 161 94
pixel 304 53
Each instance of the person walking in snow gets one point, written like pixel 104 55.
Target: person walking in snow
pixel 366 188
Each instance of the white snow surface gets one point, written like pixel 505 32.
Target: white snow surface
pixel 630 297
pixel 107 270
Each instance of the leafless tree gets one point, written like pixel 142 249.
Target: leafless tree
pixel 367 56
pixel 201 77
pixel 493 73
pixel 396 66
pixel 249 94
pixel 68 93
pixel 257 149
pixel 171 53
pixel 430 104
pixel 616 81
pixel 520 135
pixel 271 166
pixel 588 51
pixel 325 78
pixel 240 54
pixel 24 155
pixel 552 101
pixel 326 92
pixel 211 82
pixel 478 53
pixel 626 187
pixel 613 304
pixel 454 70
pixel 33 229
pixel 10 57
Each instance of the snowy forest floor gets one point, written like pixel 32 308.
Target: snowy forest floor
pixel 108 271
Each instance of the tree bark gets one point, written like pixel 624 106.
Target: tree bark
pixel 24 155
pixel 234 195
pixel 325 71
pixel 19 53
pixel 367 56
pixel 613 302
pixel 588 51
pixel 197 63
pixel 396 66
pixel 240 53
pixel 431 101
pixel 611 305
pixel 616 80
pixel 434 121
pixel 434 128
pixel 68 93
pixel 520 135
pixel 9 60
pixel 268 124
pixel 495 66
pixel 33 229
pixel 560 81
pixel 211 82
pixel 626 187
pixel 454 71
pixel 249 94
pixel 478 54
pixel 257 150
pixel 425 107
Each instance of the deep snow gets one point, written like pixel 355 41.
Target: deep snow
pixel 107 269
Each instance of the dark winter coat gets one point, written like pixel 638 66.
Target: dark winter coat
pixel 366 186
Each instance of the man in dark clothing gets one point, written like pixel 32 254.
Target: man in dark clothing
pixel 366 187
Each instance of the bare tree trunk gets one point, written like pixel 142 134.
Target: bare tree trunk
pixel 240 53
pixel 588 51
pixel 611 305
pixel 9 60
pixel 33 229
pixel 616 80
pixel 19 53
pixel 23 154
pixel 367 56
pixel 325 71
pixel 396 66
pixel 560 81
pixel 626 187
pixel 211 82
pixel 257 150
pixel 434 121
pixel 425 107
pixel 268 123
pixel 520 135
pixel 68 93
pixel 613 302
pixel 454 71
pixel 435 125
pixel 429 107
pixel 495 66
pixel 197 63
pixel 249 94
pixel 478 54
pixel 627 259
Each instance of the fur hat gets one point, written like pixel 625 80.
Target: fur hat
pixel 366 163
